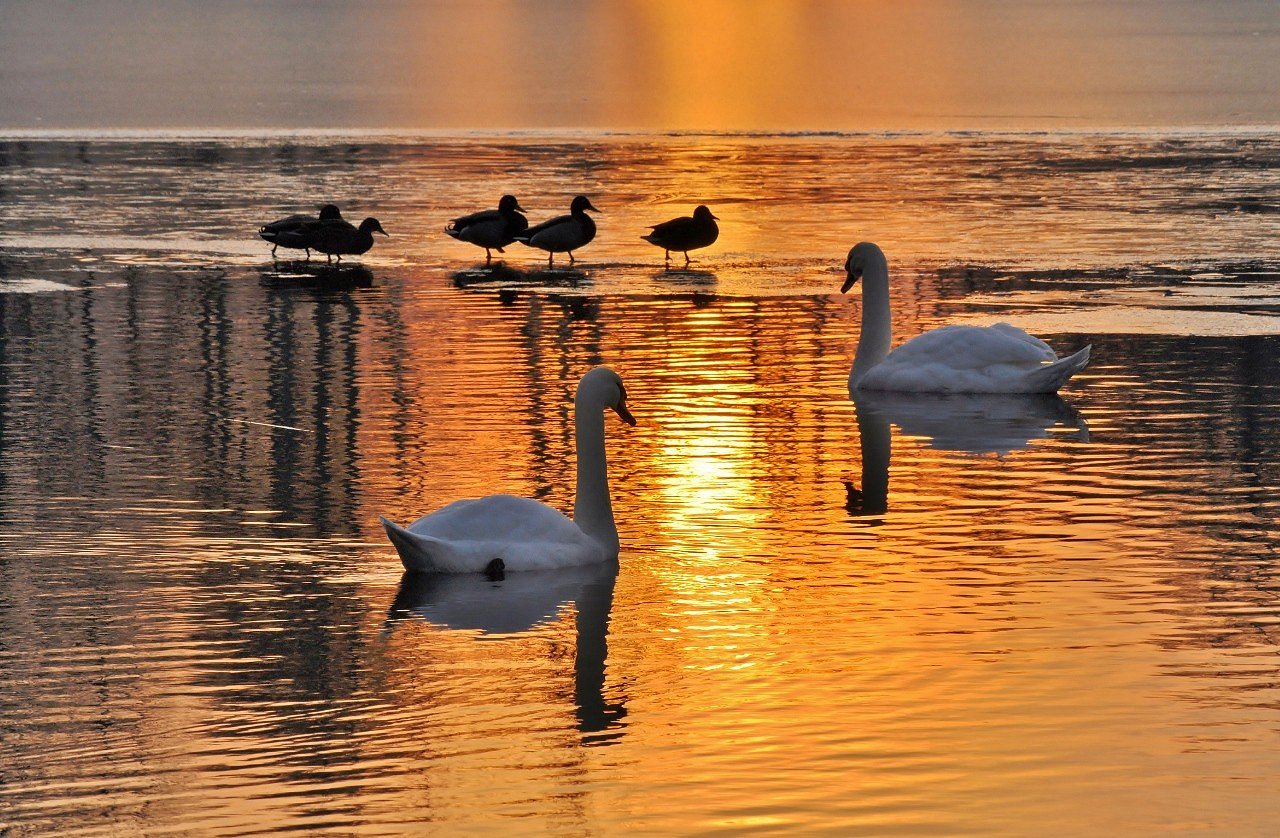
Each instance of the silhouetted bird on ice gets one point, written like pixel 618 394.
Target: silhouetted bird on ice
pixel 296 231
pixel 491 229
pixel 338 238
pixel 565 233
pixel 684 234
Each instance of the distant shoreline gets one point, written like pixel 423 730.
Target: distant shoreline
pixel 411 135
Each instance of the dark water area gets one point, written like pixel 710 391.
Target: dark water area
pixel 909 615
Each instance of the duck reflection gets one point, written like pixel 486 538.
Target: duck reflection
pixel 485 276
pixel 492 272
pixel 291 275
pixel 976 423
pixel 685 276
pixel 518 603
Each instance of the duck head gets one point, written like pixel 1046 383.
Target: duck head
pixel 330 212
pixel 861 254
pixel 371 225
pixel 581 204
pixel 508 203
pixel 703 213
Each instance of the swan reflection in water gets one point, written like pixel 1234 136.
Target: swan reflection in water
pixel 518 603
pixel 976 423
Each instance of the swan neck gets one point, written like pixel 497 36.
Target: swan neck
pixel 592 509
pixel 876 335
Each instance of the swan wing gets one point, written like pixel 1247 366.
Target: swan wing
pixel 972 359
pixel 466 535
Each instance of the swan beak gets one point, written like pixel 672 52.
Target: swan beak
pixel 625 414
pixel 848 282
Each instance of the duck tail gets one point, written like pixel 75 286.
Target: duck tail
pixel 1051 377
pixel 649 238
pixel 418 553
pixel 451 230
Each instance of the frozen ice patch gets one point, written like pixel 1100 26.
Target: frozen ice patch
pixel 33 286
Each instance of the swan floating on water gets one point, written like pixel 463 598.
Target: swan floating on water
pixel 564 233
pixel 491 229
pixel 684 234
pixel 504 532
pixel 951 359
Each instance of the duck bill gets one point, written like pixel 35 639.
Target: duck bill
pixel 848 283
pixel 625 414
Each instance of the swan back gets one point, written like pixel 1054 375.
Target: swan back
pixel 466 535
pixel 973 359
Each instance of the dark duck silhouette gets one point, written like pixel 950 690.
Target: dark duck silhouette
pixel 296 231
pixel 684 234
pixel 338 238
pixel 491 229
pixel 565 233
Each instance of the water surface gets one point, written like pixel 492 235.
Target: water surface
pixel 909 616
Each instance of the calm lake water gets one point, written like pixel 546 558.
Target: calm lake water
pixel 912 616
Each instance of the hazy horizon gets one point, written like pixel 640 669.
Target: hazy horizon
pixel 628 64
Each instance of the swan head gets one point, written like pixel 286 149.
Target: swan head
pixel 703 213
pixel 508 203
pixel 581 204
pixel 862 254
pixel 371 225
pixel 330 212
pixel 602 388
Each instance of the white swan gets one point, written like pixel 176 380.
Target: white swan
pixel 952 359
pixel 504 532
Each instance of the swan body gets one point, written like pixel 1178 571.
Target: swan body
pixel 339 238
pixel 491 229
pixel 564 233
pixel 951 359
pixel 685 233
pixel 467 535
pixel 297 231
pixel 462 538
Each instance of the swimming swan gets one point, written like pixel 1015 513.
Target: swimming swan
pixel 952 359
pixel 472 536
